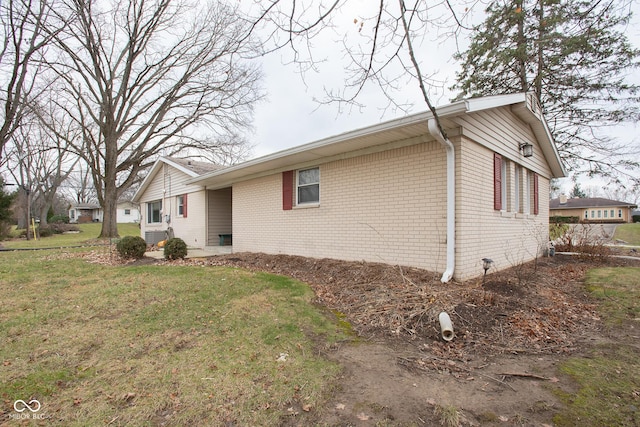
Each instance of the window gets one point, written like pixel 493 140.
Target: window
pixel 593 214
pixel 154 212
pixel 599 213
pixel 612 213
pixel 586 214
pixel 536 195
pixel 182 205
pixel 308 186
pixel 518 205
pixel 619 213
pixel 498 179
pixel 127 211
pixel 527 193
pixel 606 213
pixel 503 184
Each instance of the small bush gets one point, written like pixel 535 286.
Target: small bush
pixel 175 248
pixel 131 247
pixel 58 218
pixel 557 219
pixel 44 231
pixel 636 218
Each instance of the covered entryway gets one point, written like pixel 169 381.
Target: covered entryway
pixel 219 226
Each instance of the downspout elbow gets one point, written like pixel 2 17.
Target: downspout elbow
pixel 451 199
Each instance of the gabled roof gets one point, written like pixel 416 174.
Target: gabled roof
pixel 589 202
pixel 190 167
pixel 369 138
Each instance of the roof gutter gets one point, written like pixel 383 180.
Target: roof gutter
pixel 451 199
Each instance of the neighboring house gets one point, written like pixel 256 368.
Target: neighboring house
pixel 167 204
pixel 127 212
pixel 592 209
pixel 396 192
pixel 82 213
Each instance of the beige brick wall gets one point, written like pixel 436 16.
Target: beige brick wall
pixel 383 207
pixel 509 238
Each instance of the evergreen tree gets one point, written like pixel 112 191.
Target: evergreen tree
pixel 5 209
pixel 575 57
pixel 577 192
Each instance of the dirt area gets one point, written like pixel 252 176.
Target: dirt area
pixel 512 329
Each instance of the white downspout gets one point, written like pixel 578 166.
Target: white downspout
pixel 451 199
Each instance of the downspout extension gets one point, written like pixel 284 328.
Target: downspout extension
pixel 451 199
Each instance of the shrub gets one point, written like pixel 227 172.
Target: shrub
pixel 55 228
pixel 58 218
pixel 557 219
pixel 131 247
pixel 175 248
pixel 45 231
pixel 636 218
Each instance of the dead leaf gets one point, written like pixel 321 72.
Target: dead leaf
pixel 431 402
pixel 362 416
pixel 503 418
pixel 554 380
pixel 306 408
pixel 340 406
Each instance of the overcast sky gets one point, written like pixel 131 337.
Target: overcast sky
pixel 291 117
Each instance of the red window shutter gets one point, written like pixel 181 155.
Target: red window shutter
pixel 497 181
pixel 287 190
pixel 536 198
pixel 184 206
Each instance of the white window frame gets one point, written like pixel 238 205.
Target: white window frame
pixel 298 186
pixel 518 205
pixel 527 191
pixel 180 205
pixel 503 184
pixel 150 211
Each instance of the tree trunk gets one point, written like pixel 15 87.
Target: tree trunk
pixel 109 200
pixel 109 207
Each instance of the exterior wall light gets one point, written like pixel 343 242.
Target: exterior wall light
pixel 527 149
pixel 486 265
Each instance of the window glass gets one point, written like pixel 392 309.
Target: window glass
pixel 153 211
pixel 180 205
pixel 309 186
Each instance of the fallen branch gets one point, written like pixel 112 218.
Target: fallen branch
pixel 525 375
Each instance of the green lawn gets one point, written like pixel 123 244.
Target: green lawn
pixel 88 233
pixel 158 345
pixel 608 379
pixel 630 233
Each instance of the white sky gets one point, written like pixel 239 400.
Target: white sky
pixel 290 116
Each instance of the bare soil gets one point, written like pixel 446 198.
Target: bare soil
pixel 512 330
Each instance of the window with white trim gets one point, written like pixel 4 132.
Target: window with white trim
pixel 154 212
pixel 518 204
pixel 181 205
pixel 308 186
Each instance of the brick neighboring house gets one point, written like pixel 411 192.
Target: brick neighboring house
pixel 396 192
pixel 592 209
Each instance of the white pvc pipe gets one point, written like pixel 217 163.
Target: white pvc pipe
pixel 451 200
pixel 446 327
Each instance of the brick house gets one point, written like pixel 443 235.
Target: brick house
pixel 396 192
pixel 592 209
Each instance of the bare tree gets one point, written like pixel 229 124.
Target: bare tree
pixel 144 78
pixel 23 39
pixel 383 50
pixel 39 163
